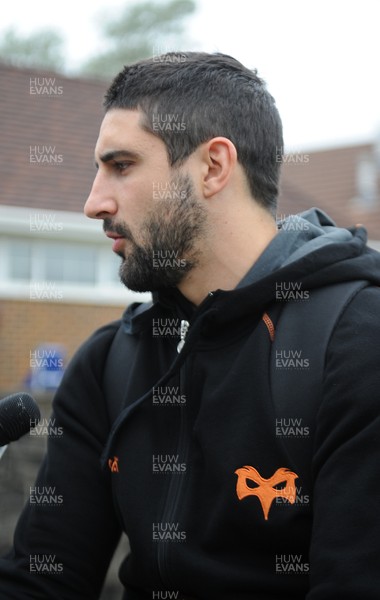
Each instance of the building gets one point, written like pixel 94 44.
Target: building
pixel 58 275
pixel 344 182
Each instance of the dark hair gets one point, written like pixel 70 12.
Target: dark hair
pixel 206 95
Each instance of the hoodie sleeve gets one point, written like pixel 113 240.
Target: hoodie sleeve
pixel 63 551
pixel 344 553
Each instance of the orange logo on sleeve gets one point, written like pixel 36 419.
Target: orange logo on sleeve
pixel 113 464
pixel 265 490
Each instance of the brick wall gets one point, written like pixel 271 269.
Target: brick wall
pixel 24 325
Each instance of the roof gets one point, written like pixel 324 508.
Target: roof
pixel 50 118
pixel 328 179
pixel 50 123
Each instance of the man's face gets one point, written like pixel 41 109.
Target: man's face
pixel 149 209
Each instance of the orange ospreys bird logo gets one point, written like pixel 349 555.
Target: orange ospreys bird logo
pixel 265 489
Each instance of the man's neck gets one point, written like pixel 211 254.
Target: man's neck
pixel 230 252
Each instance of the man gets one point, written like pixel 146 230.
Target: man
pixel 218 495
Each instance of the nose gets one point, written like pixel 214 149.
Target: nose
pixel 101 202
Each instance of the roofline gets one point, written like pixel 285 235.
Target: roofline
pixel 364 144
pixel 53 224
pixel 45 71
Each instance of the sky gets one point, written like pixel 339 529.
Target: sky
pixel 320 58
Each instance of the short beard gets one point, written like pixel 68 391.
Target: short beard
pixel 169 248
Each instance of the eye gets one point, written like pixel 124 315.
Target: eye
pixel 122 165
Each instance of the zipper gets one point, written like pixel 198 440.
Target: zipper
pixel 183 333
pixel 185 325
pixel 174 491
pixel 177 482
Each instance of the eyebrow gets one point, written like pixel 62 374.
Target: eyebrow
pixel 114 154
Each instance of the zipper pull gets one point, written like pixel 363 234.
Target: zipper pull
pixel 184 329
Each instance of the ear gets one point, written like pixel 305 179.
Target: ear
pixel 219 157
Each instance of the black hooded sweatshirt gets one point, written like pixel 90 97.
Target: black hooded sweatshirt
pixel 190 461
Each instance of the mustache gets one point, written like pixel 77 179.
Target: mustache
pixel 118 228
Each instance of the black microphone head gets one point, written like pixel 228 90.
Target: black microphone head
pixel 18 414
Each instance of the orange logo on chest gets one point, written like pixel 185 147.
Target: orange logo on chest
pixel 265 489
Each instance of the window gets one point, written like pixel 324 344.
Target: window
pixel 52 261
pixel 367 182
pixel 76 265
pixel 72 263
pixel 20 260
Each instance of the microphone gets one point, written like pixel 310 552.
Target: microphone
pixel 18 414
